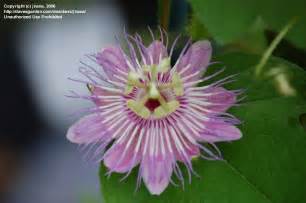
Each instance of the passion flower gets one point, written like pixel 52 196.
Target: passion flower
pixel 152 114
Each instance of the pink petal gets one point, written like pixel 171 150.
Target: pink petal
pixel 191 151
pixel 119 160
pixel 223 98
pixel 220 132
pixel 156 50
pixel 96 91
pixel 111 59
pixel 198 56
pixel 87 130
pixel 156 173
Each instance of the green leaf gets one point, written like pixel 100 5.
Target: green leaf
pixel 303 120
pixel 197 30
pixel 252 41
pixel 227 21
pixel 280 79
pixel 266 165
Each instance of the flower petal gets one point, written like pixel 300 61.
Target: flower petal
pixel 156 173
pixel 111 59
pixel 156 51
pixel 197 57
pixel 191 151
pixel 223 99
pixel 121 159
pixel 87 130
pixel 219 131
pixel 96 91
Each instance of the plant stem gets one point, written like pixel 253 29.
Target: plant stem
pixel 165 13
pixel 266 55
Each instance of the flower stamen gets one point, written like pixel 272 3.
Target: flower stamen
pixel 152 93
pixel 139 107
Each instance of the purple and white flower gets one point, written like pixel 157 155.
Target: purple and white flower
pixel 152 114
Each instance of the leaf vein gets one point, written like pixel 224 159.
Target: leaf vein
pixel 252 185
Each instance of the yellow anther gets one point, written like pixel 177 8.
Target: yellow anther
pixel 173 105
pixel 168 106
pixel 167 109
pixel 132 76
pixel 146 68
pixel 177 85
pixel 134 80
pixel 179 91
pixel 164 65
pixel 152 69
pixel 165 86
pixel 138 108
pixel 128 89
pixel 159 112
pixel 163 103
